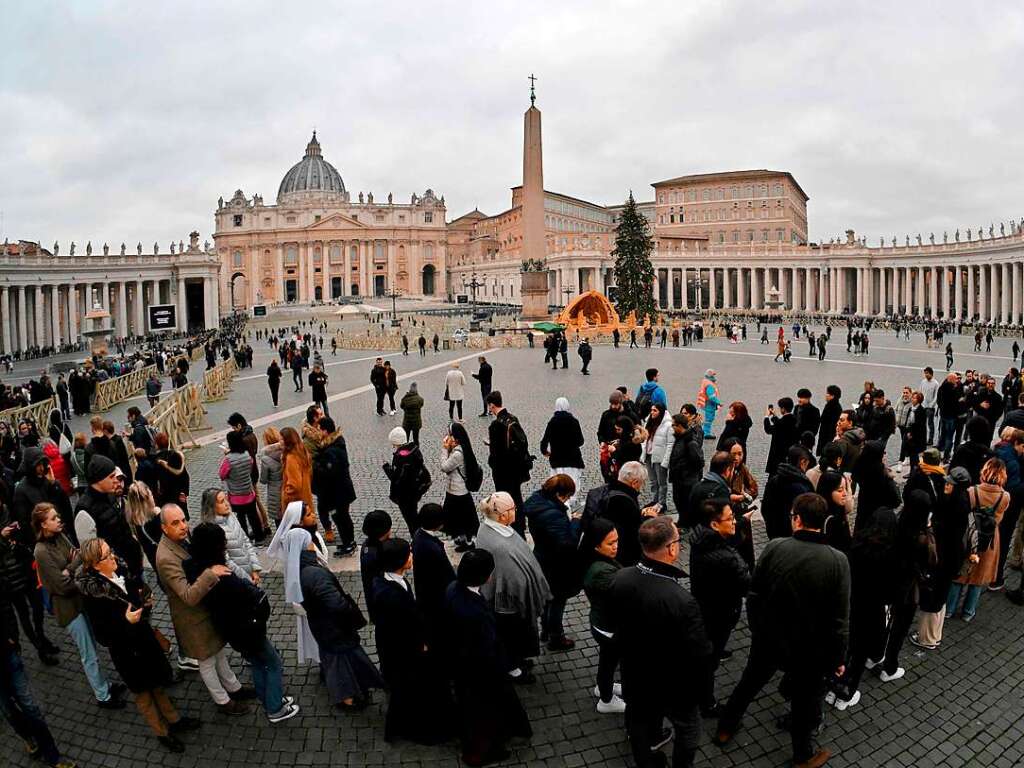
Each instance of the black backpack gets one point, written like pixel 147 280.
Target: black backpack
pixel 596 504
pixel 643 402
pixel 518 447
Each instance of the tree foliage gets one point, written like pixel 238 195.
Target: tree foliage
pixel 634 273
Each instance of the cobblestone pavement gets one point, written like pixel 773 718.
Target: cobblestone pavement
pixel 957 706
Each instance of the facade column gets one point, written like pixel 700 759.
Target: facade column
pixel 364 268
pixel 994 292
pixel 741 289
pixel 808 290
pixel 882 291
pixel 983 293
pixel 55 315
pixel 139 305
pixel 841 291
pixel 21 293
pixel 72 307
pixel 682 281
pixel 908 288
pixel 897 297
pixel 38 310
pixel 122 309
pixel 958 292
pixel 919 293
pixel 5 318
pixel 712 293
pixel 182 319
pixel 933 299
pixel 207 302
pixel 325 270
pixel 822 291
pixel 1005 294
pixel 726 289
pixel 1016 269
pixel 971 310
pixel 944 290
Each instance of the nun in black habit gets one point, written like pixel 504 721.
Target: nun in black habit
pixel 419 699
pixel 433 570
pixel 488 707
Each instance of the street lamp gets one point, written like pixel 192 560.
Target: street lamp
pixel 393 294
pixel 569 290
pixel 472 285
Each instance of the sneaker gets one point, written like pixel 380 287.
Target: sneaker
pixel 233 708
pixel 524 678
pixel 615 706
pixel 188 664
pixel 344 550
pixel 392 413
pixel 885 677
pixel 616 690
pixel 171 743
pixel 287 701
pixel 840 703
pixel 871 663
pixel 667 734
pixel 968 618
pixel 286 712
pixel 915 640
pixel 997 586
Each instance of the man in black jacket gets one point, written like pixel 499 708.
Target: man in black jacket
pixel 647 601
pixel 379 380
pixel 789 481
pixel 685 462
pixel 808 417
pixel 107 518
pixel 881 424
pixel 606 427
pixel 782 428
pixel 622 508
pixel 799 613
pixel 484 375
pixel 949 402
pixel 318 385
pixel 714 485
pixel 829 417
pixel 719 579
pixel 509 457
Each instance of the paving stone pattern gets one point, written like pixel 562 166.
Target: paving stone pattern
pixel 957 706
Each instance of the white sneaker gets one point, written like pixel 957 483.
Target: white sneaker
pixel 616 690
pixel 392 413
pixel 287 712
pixel 887 678
pixel 871 663
pixel 842 704
pixel 188 664
pixel 612 707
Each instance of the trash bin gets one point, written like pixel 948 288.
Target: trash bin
pixel 446 344
pixel 490 331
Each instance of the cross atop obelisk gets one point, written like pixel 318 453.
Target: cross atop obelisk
pixel 533 95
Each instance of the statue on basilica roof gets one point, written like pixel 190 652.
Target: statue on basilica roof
pixel 88 248
pixel 122 249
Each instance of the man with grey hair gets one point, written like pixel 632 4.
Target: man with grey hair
pixel 622 508
pixel 647 602
pixel 197 636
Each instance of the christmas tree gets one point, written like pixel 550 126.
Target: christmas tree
pixel 634 273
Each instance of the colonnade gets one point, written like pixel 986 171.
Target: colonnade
pixel 52 314
pixel 988 292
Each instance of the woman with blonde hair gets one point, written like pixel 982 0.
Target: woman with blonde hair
pixel 270 460
pixel 988 501
pixel 296 470
pixel 143 516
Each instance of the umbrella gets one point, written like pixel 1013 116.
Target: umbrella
pixel 548 327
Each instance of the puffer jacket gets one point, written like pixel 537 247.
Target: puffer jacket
pixel 242 557
pixel 719 577
pixel 661 441
pixel 270 476
pixel 236 472
pixel 554 542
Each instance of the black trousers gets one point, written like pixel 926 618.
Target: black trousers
pixel 297 380
pixel 644 723
pixel 273 391
pixel 452 406
pixel 249 518
pixel 380 400
pixel 408 508
pixel 483 398
pixel 607 662
pixel 342 519
pixel 806 688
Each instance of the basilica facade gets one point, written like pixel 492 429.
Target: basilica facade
pixel 317 243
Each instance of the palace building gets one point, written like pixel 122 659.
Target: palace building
pixel 318 244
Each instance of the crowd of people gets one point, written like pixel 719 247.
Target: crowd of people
pixel 97 531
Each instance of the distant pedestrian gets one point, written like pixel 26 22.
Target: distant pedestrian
pixel 454 390
pixel 483 376
pixel 586 352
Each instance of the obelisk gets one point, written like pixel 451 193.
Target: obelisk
pixel 534 287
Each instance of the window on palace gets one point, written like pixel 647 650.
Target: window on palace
pixel 379 218
pixel 401 218
pixel 316 217
pixel 750 235
pixel 735 235
pixel 379 252
pixel 428 217
pixel 237 218
pixel 720 194
pixel 289 219
pixel 266 221
pixel 335 253
pixel 681 219
pixel 355 217
pixel 764 235
pixel 780 235
pixel 428 252
pixel 705 195
pixel 721 237
pixel 317 256
pixel 672 218
pixel 236 258
pixel 291 255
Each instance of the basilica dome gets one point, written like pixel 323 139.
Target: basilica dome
pixel 312 178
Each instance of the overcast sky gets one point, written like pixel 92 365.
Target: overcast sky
pixel 124 121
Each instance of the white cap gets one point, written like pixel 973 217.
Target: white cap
pixel 397 436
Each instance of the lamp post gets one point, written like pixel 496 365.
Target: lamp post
pixel 569 290
pixel 393 294
pixel 472 285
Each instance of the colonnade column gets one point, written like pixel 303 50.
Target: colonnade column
pixel 72 309
pixel 882 290
pixel 1006 283
pixel 958 293
pixel 741 289
pixel 727 289
pixel 944 279
pixel 122 309
pixel 983 293
pixel 683 283
pixel 364 268
pixel 55 315
pixel 140 327
pixel 5 316
pixel 1016 269
pixel 182 319
pixel 20 341
pixel 325 270
pixel 970 292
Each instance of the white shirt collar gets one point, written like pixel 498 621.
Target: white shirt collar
pixel 397 579
pixel 435 534
pixel 474 590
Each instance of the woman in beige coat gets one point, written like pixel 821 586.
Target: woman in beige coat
pixel 988 502
pixel 454 390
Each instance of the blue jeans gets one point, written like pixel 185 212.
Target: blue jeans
pixel 266 676
pixel 81 633
pixel 970 602
pixel 20 708
pixel 946 434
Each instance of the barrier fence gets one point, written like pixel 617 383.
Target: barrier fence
pixel 37 412
pixel 113 391
pixel 180 414
pixel 217 380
